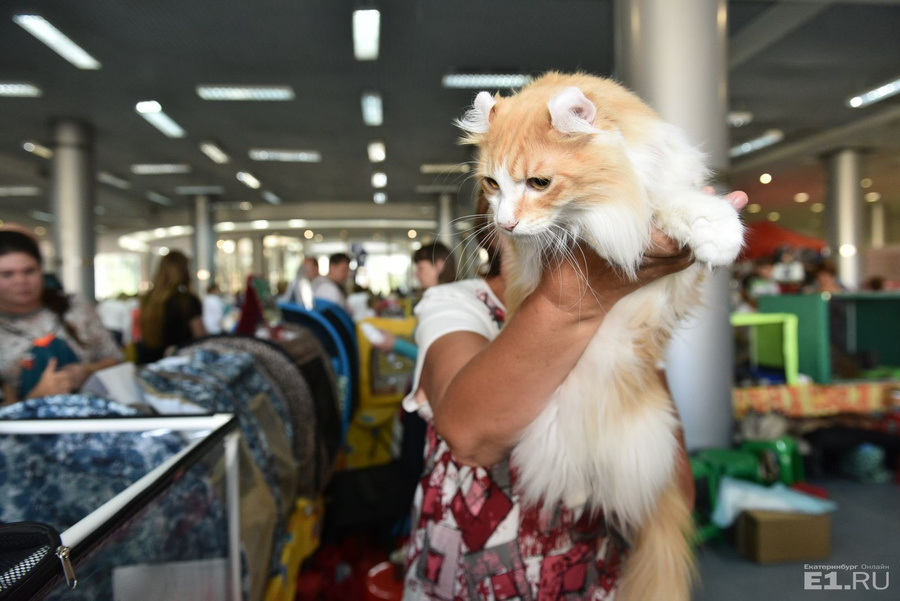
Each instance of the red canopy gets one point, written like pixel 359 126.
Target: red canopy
pixel 764 238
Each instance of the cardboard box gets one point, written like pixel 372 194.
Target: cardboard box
pixel 771 537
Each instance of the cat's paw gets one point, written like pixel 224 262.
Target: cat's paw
pixel 716 233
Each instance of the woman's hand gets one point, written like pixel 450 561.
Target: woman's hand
pixel 78 373
pixel 52 382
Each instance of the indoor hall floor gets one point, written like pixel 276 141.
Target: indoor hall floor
pixel 865 529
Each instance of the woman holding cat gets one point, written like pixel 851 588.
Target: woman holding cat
pixel 480 387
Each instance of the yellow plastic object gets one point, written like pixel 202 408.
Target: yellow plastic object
pixel 773 340
pixel 384 376
pixel 370 437
pixel 303 536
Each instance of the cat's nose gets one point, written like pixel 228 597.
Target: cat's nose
pixel 508 225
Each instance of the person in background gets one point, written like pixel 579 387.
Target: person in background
pixel 331 287
pixel 213 309
pixel 788 272
pixel 50 342
pixel 827 280
pixel 308 270
pixel 170 314
pixel 763 282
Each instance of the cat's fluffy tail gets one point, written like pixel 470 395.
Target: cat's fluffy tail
pixel 661 565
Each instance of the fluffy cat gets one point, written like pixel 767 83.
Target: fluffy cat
pixel 577 157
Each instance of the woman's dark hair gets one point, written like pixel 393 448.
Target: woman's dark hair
pixel 172 274
pixel 52 298
pixel 435 252
pixel 487 237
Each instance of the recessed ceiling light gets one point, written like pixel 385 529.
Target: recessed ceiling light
pixel 153 113
pixel 40 230
pixel 288 156
pixel 19 90
pixel 319 238
pixel 271 197
pixel 380 198
pixel 261 93
pixel 875 95
pixel 57 41
pixel 866 182
pixel 442 168
pixel 159 198
pixel 199 190
pixel 248 180
pixel 160 168
pixel 38 149
pixel 801 197
pixel 20 191
pixel 377 152
pixel 765 178
pixel 773 136
pixel 245 206
pixel 216 154
pixel 754 208
pixel 817 207
pixel 109 179
pixel 873 196
pixel 366 31
pixel 371 109
pixel 379 179
pixel 485 80
pixel 847 250
pixel 412 234
pixel 774 216
pixel 739 118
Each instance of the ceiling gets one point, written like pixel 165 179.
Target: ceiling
pixel 793 65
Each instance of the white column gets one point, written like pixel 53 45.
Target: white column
pixel 73 206
pixel 674 55
pixel 845 215
pixel 204 243
pixel 259 257
pixel 878 224
pixel 445 220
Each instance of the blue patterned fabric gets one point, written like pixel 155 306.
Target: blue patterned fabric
pixel 59 479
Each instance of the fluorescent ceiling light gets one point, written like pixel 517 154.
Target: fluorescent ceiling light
pixel 159 199
pixel 271 197
pixel 875 95
pixel 377 152
pixel 20 191
pixel 216 154
pixel 261 93
pixel 260 224
pixel 38 149
pixel 485 80
pixel 57 41
pixel 739 118
pixel 248 180
pixel 160 168
pixel 379 179
pixel 42 216
pixel 443 168
pixel 153 113
pixel 199 190
pixel 371 109
pixel 380 198
pixel 287 156
pixel 19 90
pixel 366 29
pixel 109 179
pixel 773 136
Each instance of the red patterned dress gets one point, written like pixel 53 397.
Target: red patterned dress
pixel 471 537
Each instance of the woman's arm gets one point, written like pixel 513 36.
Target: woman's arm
pixel 484 394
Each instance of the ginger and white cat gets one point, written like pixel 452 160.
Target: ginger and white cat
pixel 577 157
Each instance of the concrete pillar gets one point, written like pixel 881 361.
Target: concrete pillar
pixel 445 220
pixel 845 215
pixel 72 201
pixel 878 224
pixel 675 55
pixel 259 257
pixel 204 243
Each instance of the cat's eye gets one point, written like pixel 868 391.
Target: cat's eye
pixel 491 183
pixel 538 183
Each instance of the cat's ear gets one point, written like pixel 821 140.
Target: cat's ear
pixel 572 113
pixel 477 119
